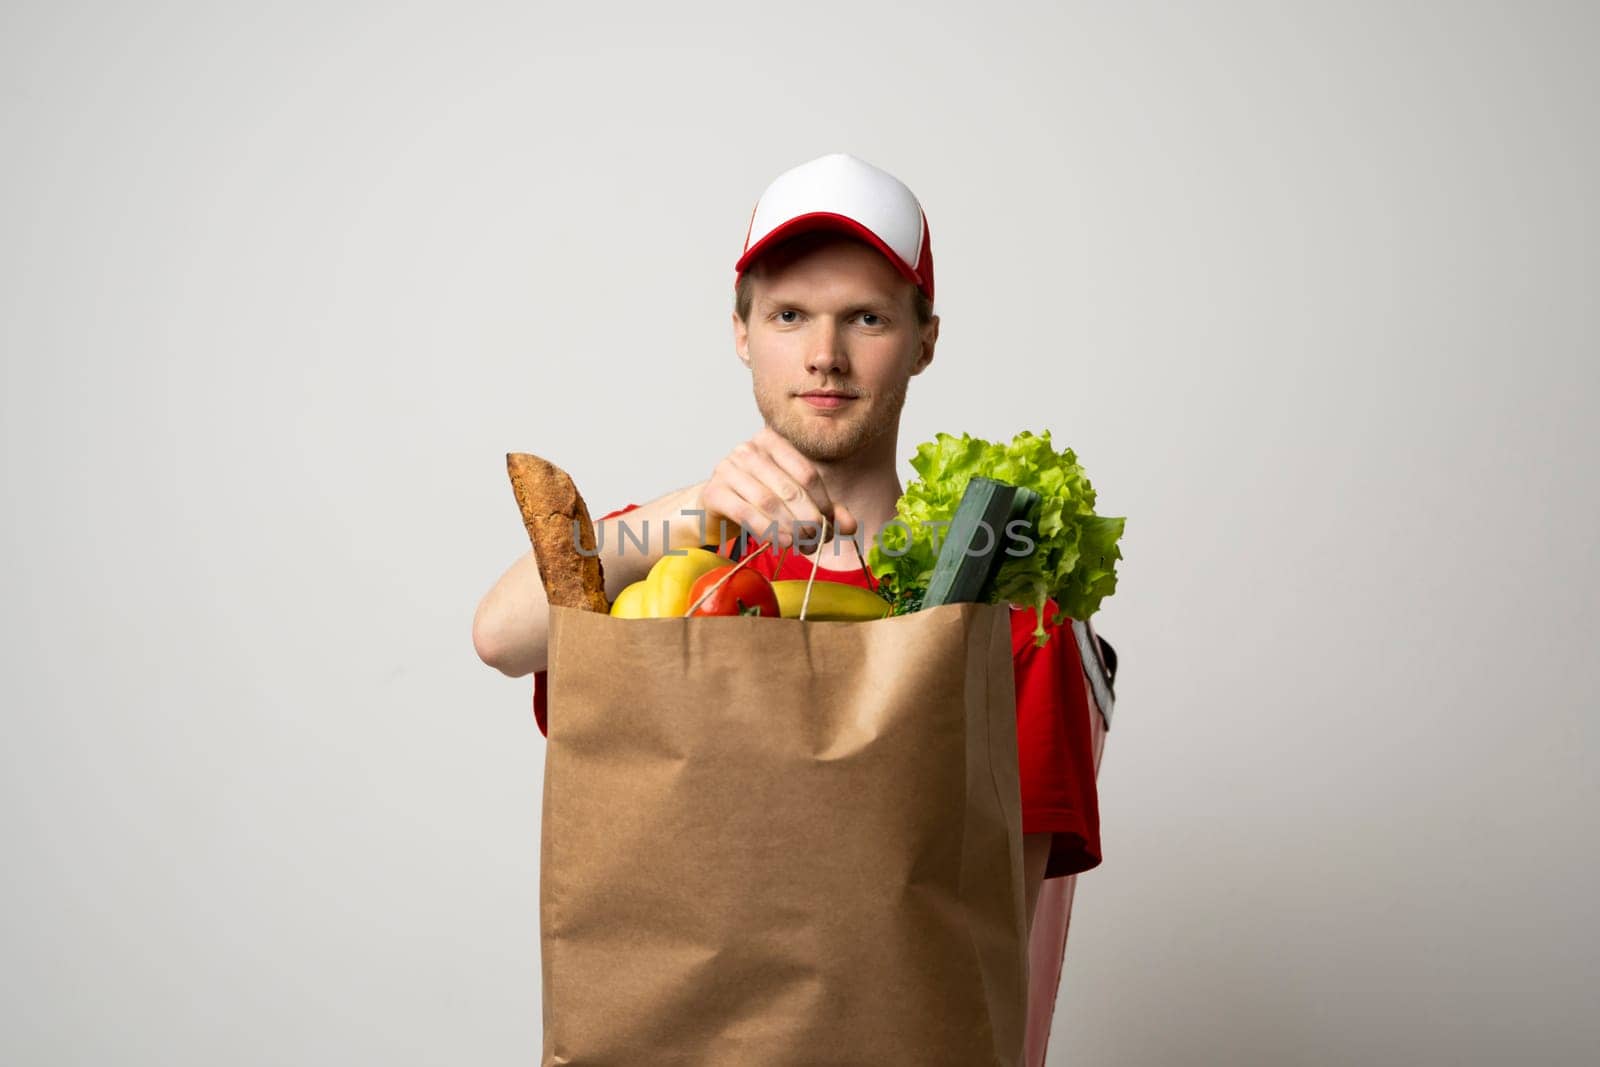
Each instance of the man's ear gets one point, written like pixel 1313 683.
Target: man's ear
pixel 930 337
pixel 741 339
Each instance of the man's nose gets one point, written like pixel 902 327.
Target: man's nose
pixel 826 354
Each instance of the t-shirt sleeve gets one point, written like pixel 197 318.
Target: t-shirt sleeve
pixel 1055 744
pixel 541 681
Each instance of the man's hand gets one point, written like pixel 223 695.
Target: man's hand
pixel 767 486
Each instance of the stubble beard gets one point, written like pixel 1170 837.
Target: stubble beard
pixel 824 439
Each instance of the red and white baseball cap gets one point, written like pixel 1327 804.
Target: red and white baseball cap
pixel 841 192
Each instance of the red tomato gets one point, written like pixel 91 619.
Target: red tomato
pixel 746 593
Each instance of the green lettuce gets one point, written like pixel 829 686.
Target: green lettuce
pixel 1075 552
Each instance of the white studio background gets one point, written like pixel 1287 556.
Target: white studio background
pixel 1310 288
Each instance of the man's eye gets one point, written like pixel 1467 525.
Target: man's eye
pixel 865 315
pixel 788 311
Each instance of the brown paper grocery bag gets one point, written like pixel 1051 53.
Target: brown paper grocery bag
pixel 774 842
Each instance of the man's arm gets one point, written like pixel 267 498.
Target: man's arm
pixel 1035 851
pixel 511 628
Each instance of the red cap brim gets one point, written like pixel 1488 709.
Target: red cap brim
pixel 824 220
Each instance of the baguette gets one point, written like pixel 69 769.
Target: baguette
pixel 550 504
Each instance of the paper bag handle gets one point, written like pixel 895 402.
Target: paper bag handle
pixel 816 563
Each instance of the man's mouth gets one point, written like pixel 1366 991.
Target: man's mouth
pixel 826 399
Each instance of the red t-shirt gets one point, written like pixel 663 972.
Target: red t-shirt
pixel 1055 750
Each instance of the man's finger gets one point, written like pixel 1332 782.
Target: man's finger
pixel 737 511
pixel 846 521
pixel 755 505
pixel 793 494
pixel 803 471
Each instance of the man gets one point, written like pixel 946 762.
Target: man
pixel 833 317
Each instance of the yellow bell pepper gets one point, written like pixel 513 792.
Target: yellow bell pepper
pixel 664 592
pixel 630 602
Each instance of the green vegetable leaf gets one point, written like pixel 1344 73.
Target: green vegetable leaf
pixel 1074 550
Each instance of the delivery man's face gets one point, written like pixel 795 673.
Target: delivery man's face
pixel 833 319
